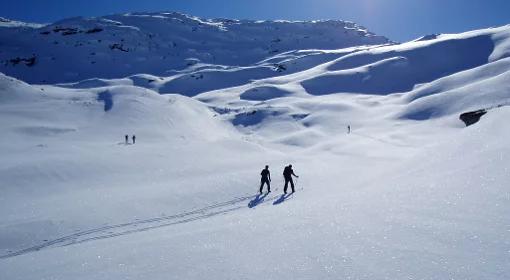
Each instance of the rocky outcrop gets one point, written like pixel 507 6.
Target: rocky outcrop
pixel 470 118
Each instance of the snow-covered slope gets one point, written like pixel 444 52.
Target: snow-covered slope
pixel 158 43
pixel 4 22
pixel 410 193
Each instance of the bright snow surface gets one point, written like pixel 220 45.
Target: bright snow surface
pixel 410 193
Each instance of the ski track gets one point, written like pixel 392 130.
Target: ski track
pixel 111 231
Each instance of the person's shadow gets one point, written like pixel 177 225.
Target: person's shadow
pixel 282 198
pixel 257 200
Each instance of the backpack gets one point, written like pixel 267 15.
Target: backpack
pixel 264 173
pixel 287 171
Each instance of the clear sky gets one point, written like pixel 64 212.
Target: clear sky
pixel 399 20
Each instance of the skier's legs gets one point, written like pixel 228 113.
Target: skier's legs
pixel 265 181
pixel 292 184
pixel 286 185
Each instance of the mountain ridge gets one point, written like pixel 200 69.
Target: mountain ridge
pixel 159 43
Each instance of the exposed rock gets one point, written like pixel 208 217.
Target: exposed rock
pixel 94 30
pixel 119 47
pixel 27 61
pixel 470 118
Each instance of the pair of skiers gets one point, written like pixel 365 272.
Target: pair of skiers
pixel 287 175
pixel 126 137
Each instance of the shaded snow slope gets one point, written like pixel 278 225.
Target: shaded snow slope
pixel 160 43
pixel 400 68
pixel 447 75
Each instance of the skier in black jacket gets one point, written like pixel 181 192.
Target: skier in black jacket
pixel 287 175
pixel 265 179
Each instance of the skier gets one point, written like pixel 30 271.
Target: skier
pixel 349 129
pixel 287 175
pixel 134 139
pixel 127 138
pixel 265 179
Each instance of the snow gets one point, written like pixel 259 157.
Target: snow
pixel 4 22
pixel 410 193
pixel 117 46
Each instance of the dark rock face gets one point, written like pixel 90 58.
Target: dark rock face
pixel 30 61
pixel 473 117
pixel 119 47
pixel 94 30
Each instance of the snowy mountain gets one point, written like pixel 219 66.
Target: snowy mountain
pixel 410 193
pixel 161 43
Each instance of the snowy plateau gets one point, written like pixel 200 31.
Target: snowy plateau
pixel 419 188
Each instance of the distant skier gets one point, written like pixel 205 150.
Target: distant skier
pixel 127 138
pixel 287 175
pixel 134 139
pixel 349 129
pixel 265 179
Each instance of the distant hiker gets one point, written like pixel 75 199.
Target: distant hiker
pixel 287 175
pixel 134 138
pixel 265 179
pixel 348 129
pixel 127 138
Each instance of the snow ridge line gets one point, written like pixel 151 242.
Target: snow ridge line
pixel 121 229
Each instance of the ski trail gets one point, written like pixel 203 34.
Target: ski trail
pixel 141 225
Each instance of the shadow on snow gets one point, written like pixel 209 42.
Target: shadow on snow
pixel 282 198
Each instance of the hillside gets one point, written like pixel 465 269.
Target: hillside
pixel 160 44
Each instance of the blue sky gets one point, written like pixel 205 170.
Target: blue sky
pixel 399 20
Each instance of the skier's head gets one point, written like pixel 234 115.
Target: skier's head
pixel 290 165
pixel 267 166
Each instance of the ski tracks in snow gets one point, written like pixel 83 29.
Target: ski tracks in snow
pixel 110 231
